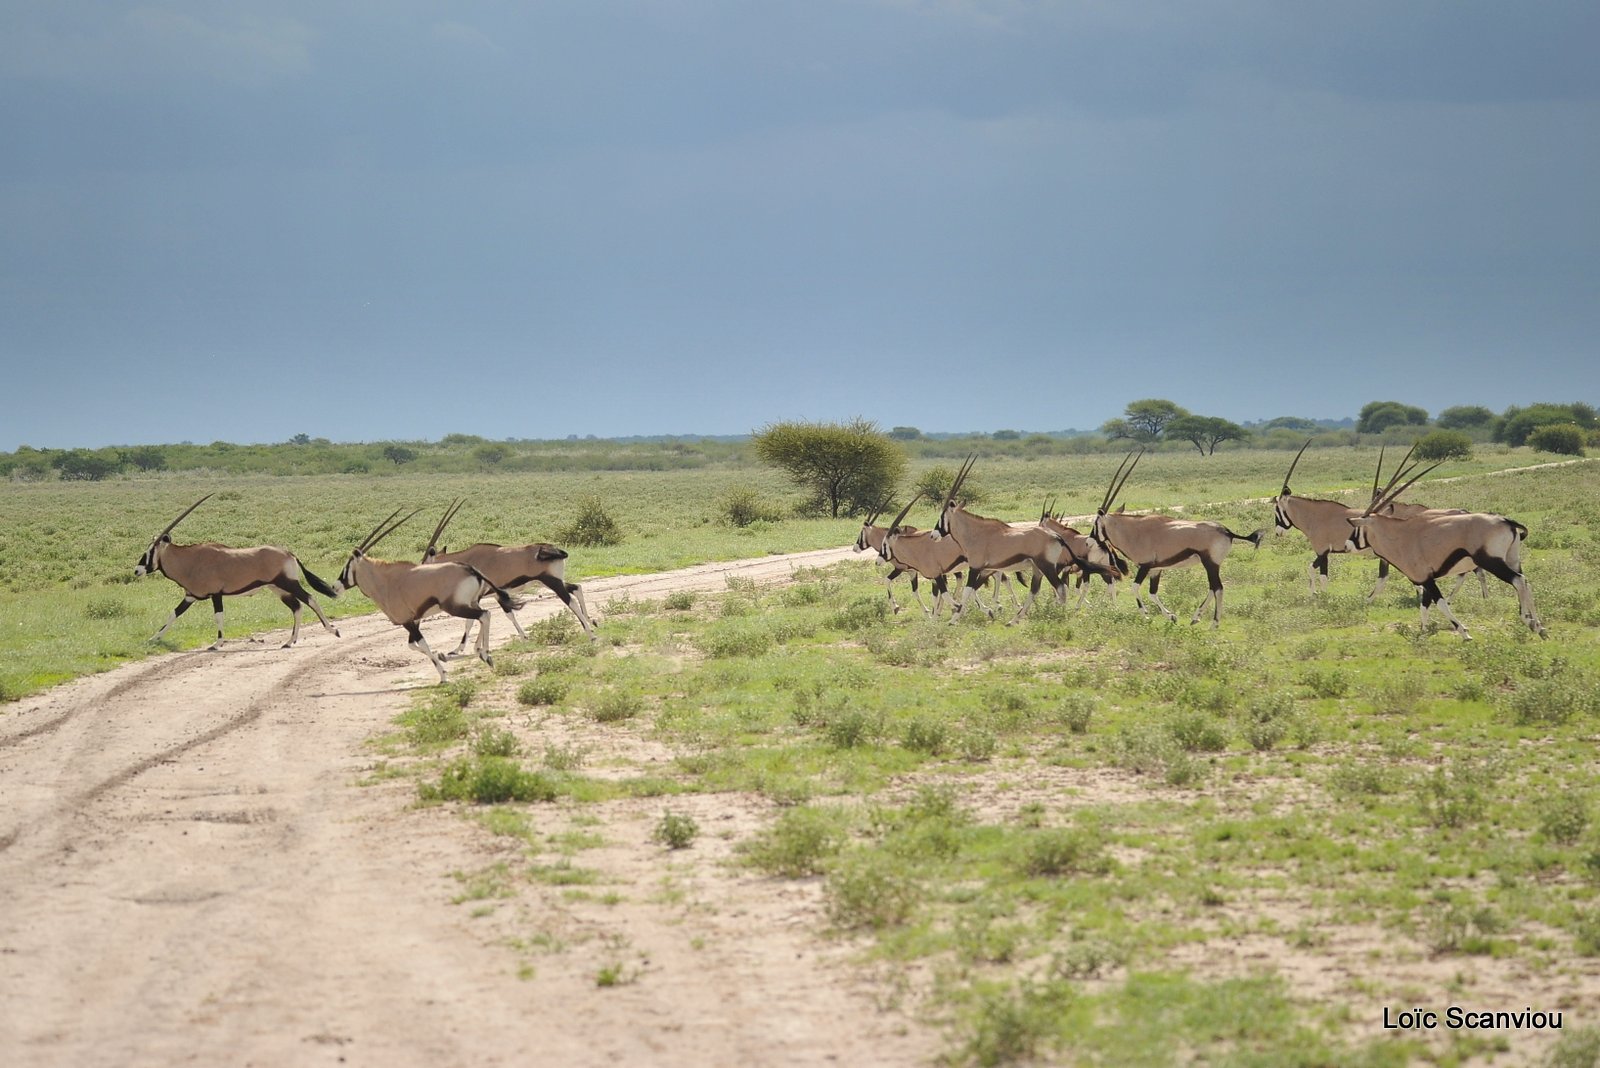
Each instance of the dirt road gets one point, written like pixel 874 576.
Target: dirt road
pixel 191 872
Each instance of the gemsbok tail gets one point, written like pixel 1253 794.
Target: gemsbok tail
pixel 1254 538
pixel 317 584
pixel 503 598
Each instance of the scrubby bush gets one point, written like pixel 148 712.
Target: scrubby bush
pixel 490 780
pixel 617 705
pixel 925 734
pixel 736 638
pixel 1564 439
pixel 675 830
pixel 105 608
pixel 1444 445
pixel 743 506
pixel 935 485
pixel 592 526
pixel 869 889
pixel 1062 851
pixel 1563 816
pixel 799 843
pixel 541 691
pixel 496 741
pixel 1076 711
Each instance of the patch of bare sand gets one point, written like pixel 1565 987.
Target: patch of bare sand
pixel 191 873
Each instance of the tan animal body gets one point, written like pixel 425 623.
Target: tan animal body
pixel 993 545
pixel 1407 510
pixel 1324 523
pixel 206 569
pixel 406 592
pixel 511 567
pixel 1090 558
pixel 1155 543
pixel 1404 510
pixel 871 538
pixel 1425 548
pixel 925 556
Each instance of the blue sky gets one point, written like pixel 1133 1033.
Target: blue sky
pixel 372 220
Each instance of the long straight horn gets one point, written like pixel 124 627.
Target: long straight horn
pixel 365 543
pixel 1116 486
pixel 181 515
pixel 1105 502
pixel 895 526
pixel 444 521
pixel 389 529
pixel 1400 472
pixel 1296 460
pixel 1390 497
pixel 1377 474
pixel 961 476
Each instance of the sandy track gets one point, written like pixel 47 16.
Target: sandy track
pixel 191 873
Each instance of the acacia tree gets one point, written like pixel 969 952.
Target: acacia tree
pixel 848 468
pixel 1144 420
pixel 1205 432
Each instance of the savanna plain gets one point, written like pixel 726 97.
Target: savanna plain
pixel 764 819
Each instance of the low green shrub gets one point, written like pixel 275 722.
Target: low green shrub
pixel 615 706
pixel 105 608
pixel 800 842
pixel 742 506
pixel 675 830
pixel 868 889
pixel 541 691
pixel 489 780
pixel 1444 445
pixel 1062 851
pixel 1077 709
pixel 592 526
pixel 496 741
pixel 737 638
pixel 1563 816
pixel 925 734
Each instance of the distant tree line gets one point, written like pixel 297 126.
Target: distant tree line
pixel 1567 429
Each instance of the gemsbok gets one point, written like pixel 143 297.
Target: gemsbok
pixel 406 592
pixel 1426 548
pixel 207 569
pixel 1408 510
pixel 510 567
pixel 1325 524
pixel 994 546
pixel 872 537
pixel 906 548
pixel 1090 558
pixel 1154 543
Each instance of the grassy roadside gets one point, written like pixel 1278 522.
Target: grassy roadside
pixel 69 604
pixel 1094 838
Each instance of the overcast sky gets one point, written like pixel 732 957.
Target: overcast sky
pixel 373 219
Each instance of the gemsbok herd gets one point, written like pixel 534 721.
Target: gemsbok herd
pixel 1424 544
pixel 453 583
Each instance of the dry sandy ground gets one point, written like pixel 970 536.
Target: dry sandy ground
pixel 191 872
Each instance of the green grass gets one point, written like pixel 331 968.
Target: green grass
pixel 1314 751
pixel 69 604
